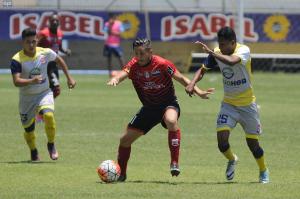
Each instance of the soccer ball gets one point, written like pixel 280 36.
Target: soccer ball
pixel 109 171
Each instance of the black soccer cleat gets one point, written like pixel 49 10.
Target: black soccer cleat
pixel 34 155
pixel 122 178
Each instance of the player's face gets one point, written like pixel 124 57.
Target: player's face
pixel 54 22
pixel 143 55
pixel 29 45
pixel 226 47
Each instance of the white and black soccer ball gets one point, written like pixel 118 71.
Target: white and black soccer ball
pixel 109 171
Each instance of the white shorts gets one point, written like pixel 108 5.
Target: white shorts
pixel 30 105
pixel 247 116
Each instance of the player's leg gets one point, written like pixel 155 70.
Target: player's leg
pixel 53 76
pixel 251 124
pixel 46 109
pixel 125 149
pixel 107 52
pixel 174 136
pixel 119 54
pixel 227 119
pixel 27 108
pixel 140 124
pixel 30 138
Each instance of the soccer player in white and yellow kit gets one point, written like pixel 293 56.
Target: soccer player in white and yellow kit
pixel 238 105
pixel 29 72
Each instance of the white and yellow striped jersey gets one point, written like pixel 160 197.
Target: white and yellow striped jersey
pixel 31 66
pixel 237 79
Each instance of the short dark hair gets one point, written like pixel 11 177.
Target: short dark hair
pixel 28 32
pixel 227 33
pixel 146 43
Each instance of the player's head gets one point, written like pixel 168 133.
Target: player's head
pixel 142 50
pixel 226 40
pixel 54 21
pixel 29 40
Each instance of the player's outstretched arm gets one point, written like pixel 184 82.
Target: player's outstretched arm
pixel 114 81
pixel 71 82
pixel 185 82
pixel 226 59
pixel 189 89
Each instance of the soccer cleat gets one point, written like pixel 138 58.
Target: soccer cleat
pixel 122 178
pixel 174 169
pixel 264 177
pixel 230 168
pixel 52 151
pixel 34 155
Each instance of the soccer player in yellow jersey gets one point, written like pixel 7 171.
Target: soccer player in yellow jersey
pixel 29 73
pixel 238 105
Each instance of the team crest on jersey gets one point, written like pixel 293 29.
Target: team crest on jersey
pixel 170 70
pixel 227 73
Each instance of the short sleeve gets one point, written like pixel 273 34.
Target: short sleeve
pixel 243 53
pixel 171 69
pixel 51 55
pixel 127 67
pixel 15 67
pixel 210 62
pixel 105 29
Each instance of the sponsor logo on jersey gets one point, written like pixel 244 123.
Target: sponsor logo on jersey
pixel 234 83
pixel 227 73
pixel 155 73
pixel 147 74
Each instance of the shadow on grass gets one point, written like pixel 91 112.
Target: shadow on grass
pixel 176 183
pixel 28 162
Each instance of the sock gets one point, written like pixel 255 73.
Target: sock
pixel 261 163
pixel 228 154
pixel 174 144
pixel 50 126
pixel 30 140
pixel 123 157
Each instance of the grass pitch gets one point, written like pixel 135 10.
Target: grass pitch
pixel 91 118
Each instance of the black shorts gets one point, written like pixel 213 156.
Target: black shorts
pixel 148 117
pixel 53 74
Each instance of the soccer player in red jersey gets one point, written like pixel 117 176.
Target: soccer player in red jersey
pixel 51 37
pixel 151 76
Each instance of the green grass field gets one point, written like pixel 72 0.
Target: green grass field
pixel 91 118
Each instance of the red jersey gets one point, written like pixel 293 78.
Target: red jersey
pixel 153 82
pixel 50 40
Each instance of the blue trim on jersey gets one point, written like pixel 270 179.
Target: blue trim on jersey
pixel 15 67
pixel 210 62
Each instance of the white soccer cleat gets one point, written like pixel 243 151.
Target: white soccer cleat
pixel 231 168
pixel 264 177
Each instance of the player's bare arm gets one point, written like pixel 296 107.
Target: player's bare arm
pixel 70 81
pixel 114 81
pixel 185 81
pixel 20 82
pixel 189 89
pixel 227 59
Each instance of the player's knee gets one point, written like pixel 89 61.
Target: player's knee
pixel 223 146
pixel 49 119
pixel 125 142
pixel 56 91
pixel 30 128
pixel 171 123
pixel 258 152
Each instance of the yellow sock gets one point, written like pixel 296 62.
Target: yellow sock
pixel 228 154
pixel 261 163
pixel 30 139
pixel 50 126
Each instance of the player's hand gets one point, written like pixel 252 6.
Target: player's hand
pixel 189 89
pixel 37 79
pixel 68 52
pixel 71 83
pixel 205 94
pixel 204 47
pixel 113 82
